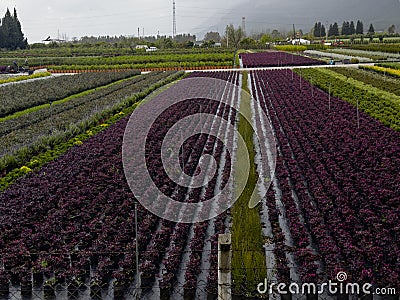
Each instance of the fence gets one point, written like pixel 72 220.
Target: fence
pixel 110 292
pixel 83 285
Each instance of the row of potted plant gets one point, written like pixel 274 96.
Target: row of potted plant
pixel 336 170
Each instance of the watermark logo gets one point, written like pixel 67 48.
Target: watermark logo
pixel 330 287
pixel 162 155
pixel 341 276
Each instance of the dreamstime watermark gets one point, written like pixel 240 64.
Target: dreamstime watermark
pixel 159 149
pixel 330 287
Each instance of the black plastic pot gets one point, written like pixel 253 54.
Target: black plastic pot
pixel 147 282
pixel 95 291
pixel 119 291
pixel 4 289
pixel 49 291
pixel 37 278
pixel 189 294
pixel 26 289
pixel 165 293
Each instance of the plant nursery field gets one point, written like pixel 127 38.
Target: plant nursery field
pixel 161 59
pixel 330 205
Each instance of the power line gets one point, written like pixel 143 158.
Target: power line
pixel 95 16
pixel 208 8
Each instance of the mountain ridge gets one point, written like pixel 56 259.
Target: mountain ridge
pixel 282 14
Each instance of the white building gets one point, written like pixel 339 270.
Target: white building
pixel 301 42
pixel 151 49
pixel 142 47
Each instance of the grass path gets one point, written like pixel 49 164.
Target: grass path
pixel 248 260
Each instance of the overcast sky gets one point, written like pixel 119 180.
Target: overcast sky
pixel 76 18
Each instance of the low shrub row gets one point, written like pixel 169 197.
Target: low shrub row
pixel 377 103
pixel 383 70
pixel 48 147
pixel 24 77
pixel 379 81
pixel 15 98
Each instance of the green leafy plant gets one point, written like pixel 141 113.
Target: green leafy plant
pixel 379 104
pixel 24 77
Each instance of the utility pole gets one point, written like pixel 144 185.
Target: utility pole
pixel 358 116
pixel 294 33
pixel 326 31
pixel 300 80
pixel 138 283
pixel 51 115
pixel 312 88
pixel 173 20
pixel 224 267
pixel 329 96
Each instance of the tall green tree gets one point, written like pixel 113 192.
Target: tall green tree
pixel 11 36
pixel 352 29
pixel 18 37
pixel 234 37
pixel 316 30
pixel 1 36
pixel 330 30
pixel 266 38
pixel 345 28
pixel 248 43
pixel 212 36
pixel 276 35
pixel 392 29
pixel 359 27
pixel 333 30
pixel 371 30
pixel 6 28
pixel 319 30
pixel 164 43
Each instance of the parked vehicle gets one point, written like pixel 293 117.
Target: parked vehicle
pixel 14 69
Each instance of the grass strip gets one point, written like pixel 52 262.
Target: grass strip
pixel 248 260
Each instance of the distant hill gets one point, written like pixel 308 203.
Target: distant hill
pixel 281 14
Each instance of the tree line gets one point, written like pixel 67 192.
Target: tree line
pixel 11 36
pixel 348 28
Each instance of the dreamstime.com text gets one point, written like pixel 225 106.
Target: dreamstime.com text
pixel 329 287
